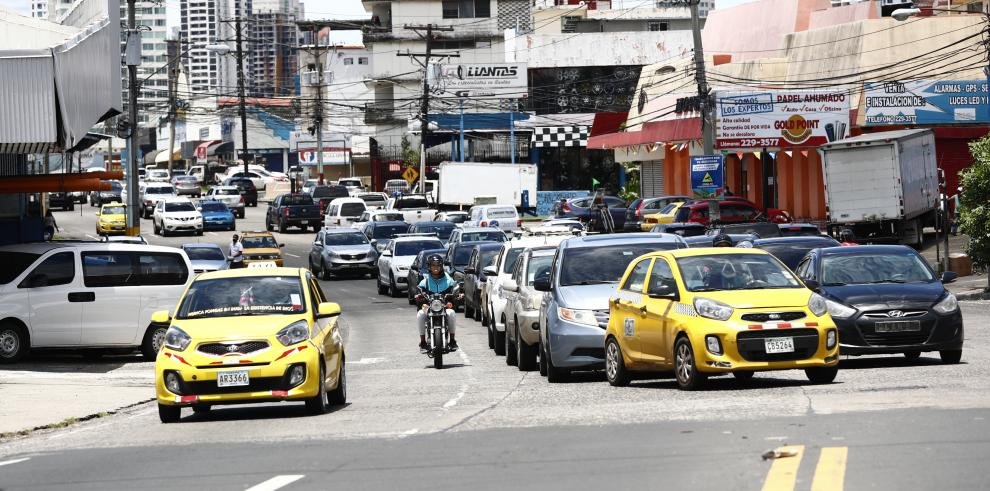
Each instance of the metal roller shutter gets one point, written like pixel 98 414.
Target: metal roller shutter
pixel 651 179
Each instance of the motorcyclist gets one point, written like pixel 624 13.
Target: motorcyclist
pixel 438 281
pixel 846 237
pixel 722 240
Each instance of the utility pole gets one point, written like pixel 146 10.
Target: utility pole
pixel 319 107
pixel 242 111
pixel 707 105
pixel 132 59
pixel 172 81
pixel 424 106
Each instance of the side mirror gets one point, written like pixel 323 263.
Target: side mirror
pixel 510 285
pixel 949 276
pixel 161 317
pixel 281 245
pixel 327 309
pixel 665 290
pixel 469 270
pixel 812 285
pixel 97 213
pixel 542 284
pixel 385 253
pixel 317 244
pixel 199 208
pixel 489 271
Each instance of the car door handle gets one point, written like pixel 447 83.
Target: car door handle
pixel 82 297
pixel 642 309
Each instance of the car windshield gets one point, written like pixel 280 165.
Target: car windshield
pixel 538 266
pixel 411 248
pixel 602 264
pixel 14 264
pixel 857 268
pixel 799 230
pixel 261 242
pixel 443 230
pixel 351 209
pixel 388 231
pixel 213 206
pixel 502 213
pixel 116 186
pixel 114 210
pixel 493 235
pixel 159 190
pixel 204 253
pixel 730 271
pixel 179 206
pixel 246 295
pixel 353 238
pixel 510 259
pixel 404 203
pixel 791 253
pixel 330 192
pixel 297 200
pixel 456 218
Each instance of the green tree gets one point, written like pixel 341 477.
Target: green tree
pixel 410 156
pixel 974 214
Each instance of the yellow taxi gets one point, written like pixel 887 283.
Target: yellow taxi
pixel 250 335
pixel 261 248
pixel 111 219
pixel 665 215
pixel 709 311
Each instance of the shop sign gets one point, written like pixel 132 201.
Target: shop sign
pixel 780 119
pixel 926 102
pixel 506 80
pixel 707 176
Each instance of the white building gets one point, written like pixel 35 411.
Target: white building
pixel 199 20
pixel 39 9
pixel 56 8
pixel 153 97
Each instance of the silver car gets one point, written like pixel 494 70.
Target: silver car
pixel 205 257
pixel 230 196
pixel 522 306
pixel 574 310
pixel 186 185
pixel 340 251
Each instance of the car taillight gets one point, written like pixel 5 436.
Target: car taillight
pixel 566 208
pixel 484 224
pixel 639 209
pixel 519 223
pixel 285 212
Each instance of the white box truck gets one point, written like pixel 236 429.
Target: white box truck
pixel 883 186
pixel 460 183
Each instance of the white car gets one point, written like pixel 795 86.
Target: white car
pixel 354 185
pixel 341 212
pixel 456 217
pixel 377 216
pixel 374 201
pixel 157 175
pixel 152 194
pixel 230 196
pixel 502 217
pixel 177 215
pixel 492 296
pixel 394 261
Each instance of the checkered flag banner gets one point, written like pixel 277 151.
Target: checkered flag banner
pixel 560 136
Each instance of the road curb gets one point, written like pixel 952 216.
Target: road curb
pixel 65 423
pixel 973 295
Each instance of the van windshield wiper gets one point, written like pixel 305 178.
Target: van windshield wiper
pixel 887 281
pixel 591 282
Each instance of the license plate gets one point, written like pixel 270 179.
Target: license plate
pixel 897 326
pixel 779 345
pixel 305 222
pixel 232 379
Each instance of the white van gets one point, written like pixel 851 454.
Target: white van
pixel 87 295
pixel 503 217
pixel 343 212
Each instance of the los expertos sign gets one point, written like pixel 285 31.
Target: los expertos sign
pixel 796 118
pixel 926 102
pixel 503 80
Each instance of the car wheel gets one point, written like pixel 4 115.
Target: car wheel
pixel 510 348
pixel 241 214
pixel 491 336
pixel 744 375
pixel 268 225
pixel 338 396
pixel 153 340
pixel 484 315
pixel 554 373
pixel 318 404
pixel 14 342
pixel 281 226
pixel 685 369
pixel 199 233
pixel 500 339
pixel 381 287
pixel 821 375
pixel 912 355
pixel 467 309
pixel 169 414
pixel 154 225
pixel 393 290
pixel 164 232
pixel 233 225
pixel 201 408
pixel 543 361
pixel 525 355
pixel 615 366
pixel 409 294
pixel 950 356
pixel 476 311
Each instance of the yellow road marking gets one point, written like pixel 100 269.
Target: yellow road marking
pixel 783 471
pixel 831 471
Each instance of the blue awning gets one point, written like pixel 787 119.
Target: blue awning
pixel 476 121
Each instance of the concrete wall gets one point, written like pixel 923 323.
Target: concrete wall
pixel 596 49
pixel 755 30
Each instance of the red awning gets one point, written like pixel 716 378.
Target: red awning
pixel 605 123
pixel 201 149
pixel 666 131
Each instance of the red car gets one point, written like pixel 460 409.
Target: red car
pixel 732 209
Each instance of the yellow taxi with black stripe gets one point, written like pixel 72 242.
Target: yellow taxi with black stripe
pixel 710 311
pixel 111 219
pixel 665 215
pixel 250 335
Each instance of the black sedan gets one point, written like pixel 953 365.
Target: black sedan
pixel 790 250
pixel 885 300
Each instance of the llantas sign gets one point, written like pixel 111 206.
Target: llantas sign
pixel 780 119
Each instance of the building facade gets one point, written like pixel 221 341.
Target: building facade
pixel 199 21
pixel 272 39
pixel 39 9
pixel 152 74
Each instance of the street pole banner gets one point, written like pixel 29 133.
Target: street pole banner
pixel 495 80
pixel 780 119
pixel 708 176
pixel 926 102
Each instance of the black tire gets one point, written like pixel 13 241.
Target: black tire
pixel 476 311
pixel 438 355
pixel 744 376
pixel 410 296
pixel 912 355
pixel 543 361
pixel 154 226
pixel 491 337
pixel 281 226
pixel 338 396
pixel 233 226
pixel 500 340
pixel 201 408
pixel 393 290
pixel 14 342
pixel 484 316
pixel 381 287
pixel 510 348
pixel 950 356
pixel 324 272
pixel 685 368
pixel 821 375
pixel 318 404
pixel 554 374
pixel 525 355
pixel 467 311
pixel 268 225
pixel 241 214
pixel 615 365
pixel 199 233
pixel 169 414
pixel 154 337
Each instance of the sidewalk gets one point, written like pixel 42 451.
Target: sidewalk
pixel 970 287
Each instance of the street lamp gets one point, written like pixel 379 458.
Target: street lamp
pixel 223 49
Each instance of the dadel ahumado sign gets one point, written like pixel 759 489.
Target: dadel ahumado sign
pixel 783 119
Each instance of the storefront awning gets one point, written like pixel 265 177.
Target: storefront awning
pixel 203 148
pixel 162 156
pixel 219 148
pixel 666 131
pixel 560 136
pixel 606 123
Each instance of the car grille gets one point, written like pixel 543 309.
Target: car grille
pixel 885 314
pixel 867 328
pixel 257 384
pixel 751 346
pixel 602 317
pixel 773 316
pixel 352 257
pixel 221 349
pixel 896 338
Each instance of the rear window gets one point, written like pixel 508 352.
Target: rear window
pixel 372 198
pixel 388 231
pixel 212 206
pixel 411 203
pixel 228 192
pixel 14 263
pixel 330 192
pixel 502 213
pixel 602 264
pixel 159 190
pixel 493 236
pixel 351 209
pixel 297 200
pixel 412 248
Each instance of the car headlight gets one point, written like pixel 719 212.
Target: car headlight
pixel 176 338
pixel 712 309
pixel 296 332
pixel 334 254
pixel 947 305
pixel 586 317
pixel 403 268
pixel 839 311
pixel 817 304
pixel 532 303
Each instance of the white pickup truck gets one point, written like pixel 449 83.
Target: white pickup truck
pixel 415 208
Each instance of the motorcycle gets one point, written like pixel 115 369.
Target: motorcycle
pixel 436 324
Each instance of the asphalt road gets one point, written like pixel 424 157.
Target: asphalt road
pixel 885 423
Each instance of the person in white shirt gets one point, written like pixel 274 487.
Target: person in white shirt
pixel 236 253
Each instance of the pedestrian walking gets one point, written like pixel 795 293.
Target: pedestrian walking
pixel 51 226
pixel 236 253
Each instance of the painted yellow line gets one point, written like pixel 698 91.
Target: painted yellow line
pixel 831 471
pixel 783 471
